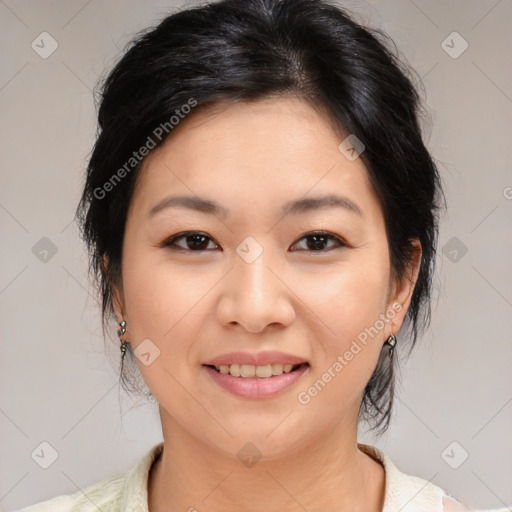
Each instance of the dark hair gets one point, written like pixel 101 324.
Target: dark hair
pixel 246 50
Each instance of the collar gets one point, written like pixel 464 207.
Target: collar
pixel 402 492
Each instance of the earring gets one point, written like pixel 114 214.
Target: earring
pixel 124 344
pixel 391 342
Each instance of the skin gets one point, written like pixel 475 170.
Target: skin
pixel 196 305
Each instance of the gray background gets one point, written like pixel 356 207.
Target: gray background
pixel 57 384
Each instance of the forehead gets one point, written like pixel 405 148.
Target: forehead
pixel 260 153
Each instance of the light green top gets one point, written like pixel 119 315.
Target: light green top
pixel 128 492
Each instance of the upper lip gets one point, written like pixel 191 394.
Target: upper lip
pixel 256 359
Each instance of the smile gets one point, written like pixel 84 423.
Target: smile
pixel 263 372
pixel 250 381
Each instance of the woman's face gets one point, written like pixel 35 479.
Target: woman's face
pixel 254 278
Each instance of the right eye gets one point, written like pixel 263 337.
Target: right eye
pixel 195 241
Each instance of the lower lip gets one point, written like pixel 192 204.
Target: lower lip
pixel 256 387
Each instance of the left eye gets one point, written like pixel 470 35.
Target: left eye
pixel 196 241
pixel 319 239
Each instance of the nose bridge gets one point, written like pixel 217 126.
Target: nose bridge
pixel 257 296
pixel 254 280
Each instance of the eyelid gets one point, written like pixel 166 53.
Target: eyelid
pixel 168 243
pixel 331 236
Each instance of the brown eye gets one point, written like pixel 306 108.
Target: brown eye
pixel 317 241
pixel 193 241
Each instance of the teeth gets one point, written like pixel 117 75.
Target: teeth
pixel 277 369
pixel 263 371
pixel 250 371
pixel 234 370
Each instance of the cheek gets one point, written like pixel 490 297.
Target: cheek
pixel 349 297
pixel 168 304
pixel 152 301
pixel 348 304
pixel 160 308
pixel 346 351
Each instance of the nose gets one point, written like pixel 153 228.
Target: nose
pixel 255 295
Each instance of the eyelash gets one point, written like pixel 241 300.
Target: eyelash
pixel 170 242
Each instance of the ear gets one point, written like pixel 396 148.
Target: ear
pixel 117 295
pixel 402 290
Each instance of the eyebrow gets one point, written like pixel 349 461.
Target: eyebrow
pixel 295 207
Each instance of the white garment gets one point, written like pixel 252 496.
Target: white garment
pixel 128 492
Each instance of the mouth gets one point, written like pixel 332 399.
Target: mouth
pixel 256 382
pixel 247 371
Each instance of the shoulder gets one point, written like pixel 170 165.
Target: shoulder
pixel 409 493
pixel 104 495
pixel 115 494
pixel 452 505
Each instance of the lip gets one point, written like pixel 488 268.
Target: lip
pixel 256 387
pixel 256 359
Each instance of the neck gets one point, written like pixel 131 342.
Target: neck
pixel 331 474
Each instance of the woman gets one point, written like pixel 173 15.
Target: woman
pixel 262 219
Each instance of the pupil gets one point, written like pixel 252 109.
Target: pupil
pixel 198 241
pixel 317 244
